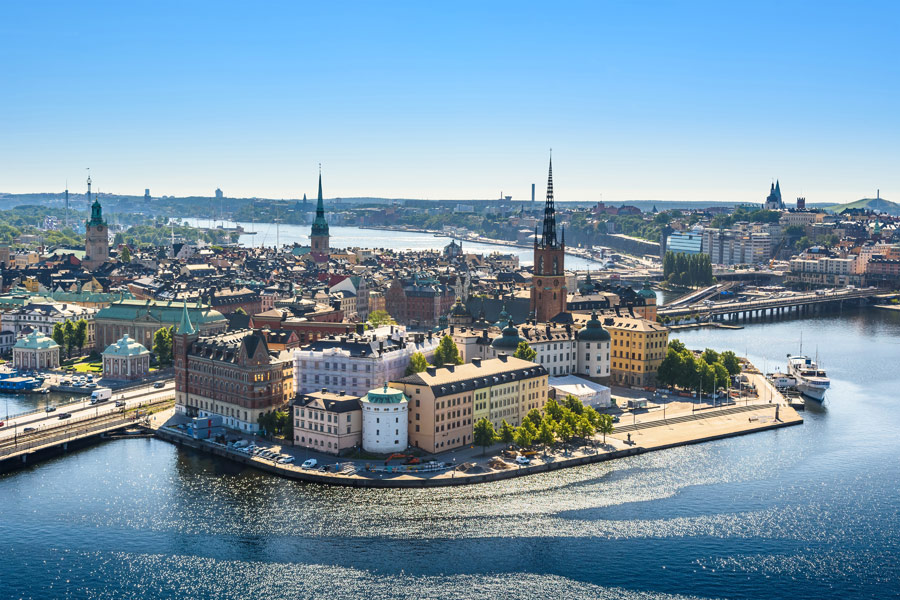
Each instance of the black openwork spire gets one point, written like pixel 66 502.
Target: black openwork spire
pixel 548 238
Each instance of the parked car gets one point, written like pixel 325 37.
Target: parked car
pixel 120 403
pixel 286 460
pixel 310 463
pixel 50 409
pixel 523 460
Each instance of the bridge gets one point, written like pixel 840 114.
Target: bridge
pixel 39 434
pixel 796 303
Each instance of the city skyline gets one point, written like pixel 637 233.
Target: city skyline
pixel 639 102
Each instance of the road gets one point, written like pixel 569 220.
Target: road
pixel 42 420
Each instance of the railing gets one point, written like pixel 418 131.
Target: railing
pixel 51 438
pixel 764 304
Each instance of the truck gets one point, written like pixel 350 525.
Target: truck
pixel 100 395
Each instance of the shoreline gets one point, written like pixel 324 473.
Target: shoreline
pixel 658 433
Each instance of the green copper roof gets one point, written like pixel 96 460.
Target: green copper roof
pixel 167 313
pixel 320 225
pixel 96 215
pixel 185 327
pixel 385 395
pixel 125 347
pixel 36 341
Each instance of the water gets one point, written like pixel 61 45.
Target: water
pixel 346 237
pixel 14 404
pixel 805 512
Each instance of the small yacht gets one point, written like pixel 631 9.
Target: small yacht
pixel 811 380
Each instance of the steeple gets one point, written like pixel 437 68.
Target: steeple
pixel 320 225
pixel 185 327
pixel 548 237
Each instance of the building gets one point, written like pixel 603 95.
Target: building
pixel 385 416
pixel 736 247
pixel 590 393
pixel 444 403
pixel 35 351
pixel 593 350
pixel 638 348
pixel 96 237
pixel 774 201
pixel 418 301
pixel 233 375
pixel 327 422
pixel 822 269
pixel 140 319
pixel 42 315
pixel 126 360
pixel 548 284
pixel 685 242
pixel 358 362
pixel 318 237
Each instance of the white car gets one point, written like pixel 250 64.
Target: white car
pixel 523 460
pixel 286 460
pixel 310 463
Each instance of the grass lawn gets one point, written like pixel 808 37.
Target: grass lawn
pixel 86 367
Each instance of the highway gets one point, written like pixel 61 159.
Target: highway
pixel 81 410
pixel 784 300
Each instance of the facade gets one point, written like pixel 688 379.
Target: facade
pixel 594 344
pixel 126 360
pixel 444 403
pixel 685 242
pixel 327 422
pixel 41 316
pixel 548 284
pixel 736 247
pixel 385 416
pixel 638 348
pixel 140 319
pixel 356 363
pixel 319 239
pixel 822 270
pixel 96 237
pixel 35 351
pixel 418 301
pixel 233 375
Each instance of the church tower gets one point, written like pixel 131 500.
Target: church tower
pixel 96 237
pixel 548 284
pixel 318 238
pixel 185 335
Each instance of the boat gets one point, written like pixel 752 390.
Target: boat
pixel 811 380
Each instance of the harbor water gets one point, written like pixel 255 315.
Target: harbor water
pixel 806 512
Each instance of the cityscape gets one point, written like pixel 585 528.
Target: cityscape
pixel 368 377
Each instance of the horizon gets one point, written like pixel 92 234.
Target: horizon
pixel 703 103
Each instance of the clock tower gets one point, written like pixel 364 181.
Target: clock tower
pixel 96 238
pixel 548 283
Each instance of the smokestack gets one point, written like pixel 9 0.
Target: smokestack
pixel 532 193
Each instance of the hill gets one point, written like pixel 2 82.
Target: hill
pixel 879 204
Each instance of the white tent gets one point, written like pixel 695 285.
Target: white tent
pixel 590 393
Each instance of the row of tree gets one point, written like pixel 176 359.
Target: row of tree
pixel 70 335
pixel 557 422
pixel 687 269
pixel 682 368
pixel 277 422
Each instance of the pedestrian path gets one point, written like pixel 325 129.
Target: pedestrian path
pixel 707 414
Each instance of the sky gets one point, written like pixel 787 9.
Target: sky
pixel 706 101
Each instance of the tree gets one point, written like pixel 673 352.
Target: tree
pixel 553 409
pixel 534 415
pixel 574 404
pixel 677 345
pixel 81 327
pixel 377 318
pixel 447 353
pixel 584 428
pixel 526 434
pixel 162 345
pixel 525 352
pixel 565 431
pixel 69 334
pixel 605 425
pixel 710 356
pixel 125 255
pixel 507 432
pixel 669 371
pixel 484 433
pixel 417 364
pixel 592 415
pixel 546 435
pixel 730 361
pixel 59 335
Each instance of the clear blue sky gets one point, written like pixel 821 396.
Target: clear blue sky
pixel 639 100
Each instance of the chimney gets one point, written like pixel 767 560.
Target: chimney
pixel 476 361
pixel 451 330
pixel 342 392
pixel 450 368
pixel 503 356
pixel 324 390
pixel 431 370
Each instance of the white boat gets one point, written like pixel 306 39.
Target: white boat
pixel 811 380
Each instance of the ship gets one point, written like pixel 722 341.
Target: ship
pixel 811 380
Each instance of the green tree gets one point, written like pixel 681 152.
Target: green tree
pixel 553 409
pixel 59 335
pixel 730 361
pixel 125 255
pixel 525 352
pixel 162 345
pixel 69 335
pixel 526 434
pixel 584 428
pixel 710 356
pixel 447 353
pixel 377 318
pixel 534 415
pixel 669 371
pixel 546 434
pixel 565 431
pixel 592 415
pixel 507 432
pixel 81 327
pixel 574 404
pixel 417 363
pixel 677 345
pixel 484 433
pixel 605 425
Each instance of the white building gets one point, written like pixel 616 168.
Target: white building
pixel 590 393
pixel 35 351
pixel 42 316
pixel 385 414
pixel 357 363
pixel 593 349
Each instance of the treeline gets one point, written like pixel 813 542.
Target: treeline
pixel 160 234
pixel 742 213
pixel 691 270
pixel 681 368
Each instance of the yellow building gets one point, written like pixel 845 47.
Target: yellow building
pixel 638 348
pixel 445 403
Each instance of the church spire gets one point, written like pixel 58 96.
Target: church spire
pixel 185 327
pixel 548 237
pixel 320 225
